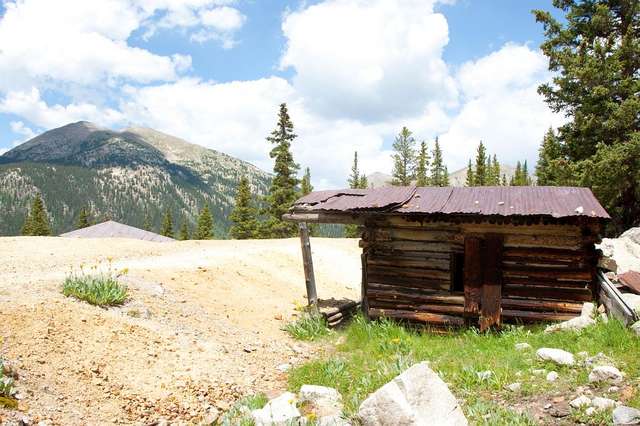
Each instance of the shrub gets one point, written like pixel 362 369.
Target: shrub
pixel 310 326
pixel 100 289
pixel 239 414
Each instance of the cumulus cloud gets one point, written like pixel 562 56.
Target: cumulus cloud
pixel 30 106
pixel 501 106
pixel 19 128
pixel 368 59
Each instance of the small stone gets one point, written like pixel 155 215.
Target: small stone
pixel 547 406
pixel 636 328
pixel 514 387
pixel 582 354
pixel 211 416
pixel 552 376
pixel 613 389
pixel 484 375
pixel 522 346
pixel 600 403
pixel 590 411
pixel 558 356
pixel 581 401
pixel 624 415
pixel 602 309
pixel 538 371
pixel 604 318
pixel 605 373
pixel 574 324
pixel 283 368
pixel 598 359
pixel 560 410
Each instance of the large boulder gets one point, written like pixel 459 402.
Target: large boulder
pixel 574 324
pixel 558 356
pixel 280 411
pixel 636 328
pixel 323 401
pixel 623 253
pixel 623 415
pixel 417 397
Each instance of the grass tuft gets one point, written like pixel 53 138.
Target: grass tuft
pixel 310 326
pixel 100 289
pixel 6 388
pixel 371 353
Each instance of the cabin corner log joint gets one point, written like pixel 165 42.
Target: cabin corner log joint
pixel 469 256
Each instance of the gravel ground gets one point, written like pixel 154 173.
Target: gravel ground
pixel 202 326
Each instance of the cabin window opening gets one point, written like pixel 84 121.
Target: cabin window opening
pixel 457 272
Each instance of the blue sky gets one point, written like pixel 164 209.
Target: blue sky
pixel 214 71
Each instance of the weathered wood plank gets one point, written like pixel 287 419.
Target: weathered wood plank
pixel 566 294
pixel 529 316
pixel 492 282
pixel 426 263
pixel 438 319
pixel 442 274
pixel 309 276
pixel 472 275
pixel 547 273
pixel 410 282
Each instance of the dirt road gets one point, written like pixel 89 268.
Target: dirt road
pixel 202 327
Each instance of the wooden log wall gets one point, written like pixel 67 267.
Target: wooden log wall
pixel 547 271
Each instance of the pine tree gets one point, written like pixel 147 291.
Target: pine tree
pixel 146 225
pixel 551 161
pixel 83 219
pixel 244 215
pixel 364 181
pixel 282 193
pixel 471 178
pixel 481 166
pixel 305 183
pixel 204 231
pixel 354 177
pixel 404 158
pixel 504 180
pixel 495 171
pixel 183 235
pixel 37 221
pixel 167 225
pixel 439 172
pixel 526 179
pixel 422 179
pixel 593 55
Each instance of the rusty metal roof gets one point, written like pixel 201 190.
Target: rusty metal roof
pixel 552 201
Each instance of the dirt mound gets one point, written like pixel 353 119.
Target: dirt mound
pixel 202 328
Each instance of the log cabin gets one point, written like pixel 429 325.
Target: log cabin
pixel 470 256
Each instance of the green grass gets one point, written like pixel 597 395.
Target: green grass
pixel 6 388
pixel 238 415
pixel 98 289
pixel 372 353
pixel 309 326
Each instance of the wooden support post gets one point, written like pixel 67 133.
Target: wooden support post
pixel 363 286
pixel 309 277
pixel 472 276
pixel 491 308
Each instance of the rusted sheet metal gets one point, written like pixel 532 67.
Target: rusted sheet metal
pixel 490 200
pixel 524 201
pixel 631 280
pixel 427 200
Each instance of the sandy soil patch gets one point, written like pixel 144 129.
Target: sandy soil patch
pixel 202 328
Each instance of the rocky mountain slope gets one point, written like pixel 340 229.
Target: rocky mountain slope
pixel 121 175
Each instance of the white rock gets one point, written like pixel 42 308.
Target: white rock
pixel 582 354
pixel 484 375
pixel 598 359
pixel 581 401
pixel 279 411
pixel 522 346
pixel 514 387
pixel 332 421
pixel 552 376
pixel 633 300
pixel 588 310
pixel 325 401
pixel 283 367
pixel 604 318
pixel 590 411
pixel 636 328
pixel 613 389
pixel 623 415
pixel 556 355
pixel 417 397
pixel 600 403
pixel 605 373
pixel 574 324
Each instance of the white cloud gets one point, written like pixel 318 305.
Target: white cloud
pixel 30 106
pixel 368 59
pixel 501 107
pixel 19 128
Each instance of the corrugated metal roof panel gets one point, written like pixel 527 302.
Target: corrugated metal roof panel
pixel 489 200
pixel 112 229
